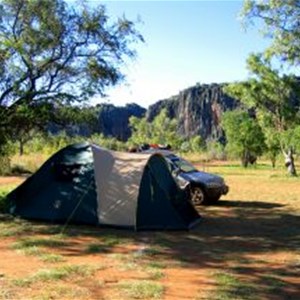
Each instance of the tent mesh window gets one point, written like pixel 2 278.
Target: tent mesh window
pixel 66 172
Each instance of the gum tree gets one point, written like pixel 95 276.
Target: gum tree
pixel 279 22
pixel 51 51
pixel 244 136
pixel 274 98
pixel 162 130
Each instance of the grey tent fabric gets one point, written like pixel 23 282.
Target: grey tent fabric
pixel 118 177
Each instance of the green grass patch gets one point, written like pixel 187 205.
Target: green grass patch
pixel 229 287
pixel 111 240
pixel 143 289
pixel 63 292
pixel 97 248
pixel 51 242
pixel 3 193
pixel 56 274
pixel 52 258
pixel 129 265
pixel 272 283
pixel 105 245
pixel 31 251
pixel 154 274
pixel 13 227
pixel 155 269
pixel 157 264
pixel 148 252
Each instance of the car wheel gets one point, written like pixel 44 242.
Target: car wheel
pixel 197 195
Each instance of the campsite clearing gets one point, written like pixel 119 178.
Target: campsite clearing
pixel 246 247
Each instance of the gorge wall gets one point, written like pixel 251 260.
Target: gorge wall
pixel 114 120
pixel 198 110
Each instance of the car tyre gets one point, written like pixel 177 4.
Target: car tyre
pixel 197 195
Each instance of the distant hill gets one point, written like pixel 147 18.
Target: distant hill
pixel 112 121
pixel 198 110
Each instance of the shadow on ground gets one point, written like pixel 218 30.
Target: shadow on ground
pixel 229 234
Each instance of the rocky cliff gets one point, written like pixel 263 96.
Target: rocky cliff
pixel 198 110
pixel 114 120
pixel 107 119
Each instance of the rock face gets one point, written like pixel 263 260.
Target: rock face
pixel 198 110
pixel 110 120
pixel 114 120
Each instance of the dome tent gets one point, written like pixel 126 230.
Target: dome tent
pixel 87 184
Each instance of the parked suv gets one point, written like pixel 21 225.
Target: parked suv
pixel 204 188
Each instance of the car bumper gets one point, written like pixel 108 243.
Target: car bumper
pixel 217 191
pixel 225 189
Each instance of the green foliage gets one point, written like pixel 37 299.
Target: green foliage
pixel 194 144
pixel 3 203
pixel 215 150
pixel 49 144
pixel 141 130
pixel 272 141
pixel 162 130
pixel 244 135
pixel 280 21
pixel 5 165
pixel 74 54
pixel 291 138
pixel 29 121
pixel 108 142
pixel 267 92
pixel 5 151
pixel 26 121
pixel 273 96
pixel 65 115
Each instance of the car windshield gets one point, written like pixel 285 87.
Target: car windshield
pixel 181 164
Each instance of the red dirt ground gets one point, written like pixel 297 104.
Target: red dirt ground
pixel 255 240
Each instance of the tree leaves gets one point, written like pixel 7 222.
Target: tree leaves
pixel 50 50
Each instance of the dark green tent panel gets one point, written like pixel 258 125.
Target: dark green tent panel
pixel 161 203
pixel 62 189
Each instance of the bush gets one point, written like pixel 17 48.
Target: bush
pixel 108 142
pixel 215 150
pixel 5 165
pixel 3 203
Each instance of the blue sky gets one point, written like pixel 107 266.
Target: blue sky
pixel 187 42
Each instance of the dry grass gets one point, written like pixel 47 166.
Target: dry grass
pixel 247 247
pixel 29 162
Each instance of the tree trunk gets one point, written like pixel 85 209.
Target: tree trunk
pixel 273 161
pixel 21 148
pixel 245 159
pixel 289 162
